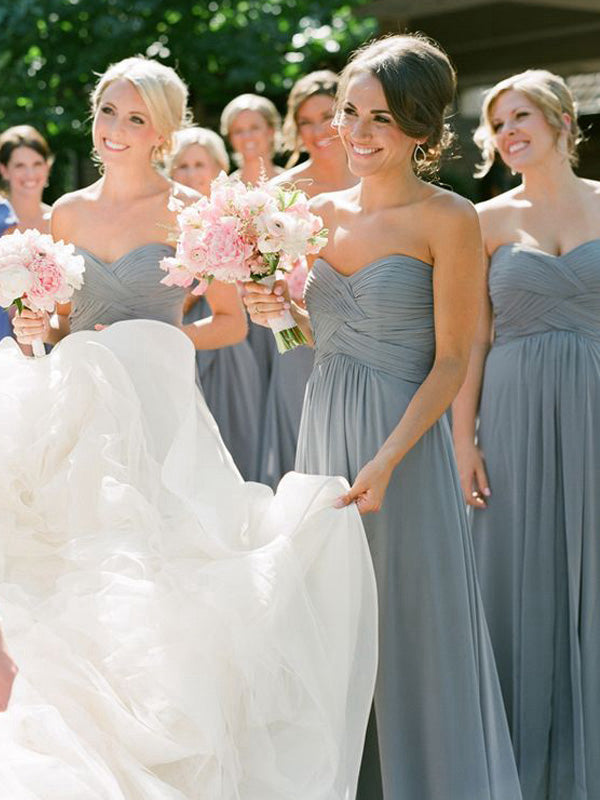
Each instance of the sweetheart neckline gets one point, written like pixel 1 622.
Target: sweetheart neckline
pixel 124 256
pixel 535 249
pixel 373 263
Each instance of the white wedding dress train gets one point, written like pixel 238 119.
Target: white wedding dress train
pixel 180 634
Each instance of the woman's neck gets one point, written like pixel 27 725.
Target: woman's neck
pixel 548 180
pixel 127 185
pixel 30 212
pixel 331 171
pixel 254 170
pixel 387 189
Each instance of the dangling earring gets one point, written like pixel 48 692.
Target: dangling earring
pixel 419 155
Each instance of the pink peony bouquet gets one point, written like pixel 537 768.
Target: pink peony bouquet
pixel 36 273
pixel 244 233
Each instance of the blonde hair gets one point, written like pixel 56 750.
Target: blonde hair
pixel 204 137
pixel 252 102
pixel 322 82
pixel 544 89
pixel 161 89
pixel 419 83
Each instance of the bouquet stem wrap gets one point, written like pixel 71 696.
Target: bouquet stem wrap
pixel 38 348
pixel 287 333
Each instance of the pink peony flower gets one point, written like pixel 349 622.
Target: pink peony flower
pixel 53 270
pixel 296 279
pixel 178 273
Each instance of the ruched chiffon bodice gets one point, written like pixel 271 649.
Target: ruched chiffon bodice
pixel 537 542
pixel 128 288
pixel 374 346
pixel 381 315
pixel 535 292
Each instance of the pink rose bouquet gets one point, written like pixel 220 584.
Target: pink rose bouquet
pixel 244 233
pixel 36 273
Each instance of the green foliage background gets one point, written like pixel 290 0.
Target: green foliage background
pixel 52 50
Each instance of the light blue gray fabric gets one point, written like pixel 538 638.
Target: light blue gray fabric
pixel 538 543
pixel 232 385
pixel 440 719
pixel 128 288
pixel 283 410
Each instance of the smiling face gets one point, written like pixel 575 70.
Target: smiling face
pixel 371 137
pixel 195 167
pixel 123 132
pixel 313 120
pixel 251 135
pixel 26 172
pixel 522 134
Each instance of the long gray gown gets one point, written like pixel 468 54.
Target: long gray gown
pixel 538 543
pixel 440 718
pixel 232 385
pixel 282 413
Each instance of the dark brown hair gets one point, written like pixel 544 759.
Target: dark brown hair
pixel 23 136
pixel 419 83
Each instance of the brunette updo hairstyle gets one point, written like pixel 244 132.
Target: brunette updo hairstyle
pixel 549 93
pixel 419 84
pixel 23 136
pixel 321 82
pixel 161 89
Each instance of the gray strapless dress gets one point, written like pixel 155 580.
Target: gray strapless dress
pixel 282 413
pixel 128 288
pixel 441 724
pixel 538 543
pixel 232 384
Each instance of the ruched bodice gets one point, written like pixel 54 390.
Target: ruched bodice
pixel 535 292
pixel 128 288
pixel 382 315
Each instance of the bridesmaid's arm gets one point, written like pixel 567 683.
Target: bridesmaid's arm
pixel 458 286
pixel 60 228
pixel 473 477
pixel 227 325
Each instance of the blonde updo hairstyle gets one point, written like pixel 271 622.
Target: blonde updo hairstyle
pixel 252 102
pixel 549 93
pixel 161 89
pixel 419 84
pixel 204 137
pixel 322 82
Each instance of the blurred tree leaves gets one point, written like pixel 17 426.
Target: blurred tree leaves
pixel 51 51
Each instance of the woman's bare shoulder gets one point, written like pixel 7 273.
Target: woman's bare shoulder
pixel 65 211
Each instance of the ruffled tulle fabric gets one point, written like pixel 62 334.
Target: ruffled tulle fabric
pixel 180 634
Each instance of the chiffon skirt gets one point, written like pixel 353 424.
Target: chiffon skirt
pixel 180 634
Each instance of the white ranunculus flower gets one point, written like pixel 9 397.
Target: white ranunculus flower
pixel 15 280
